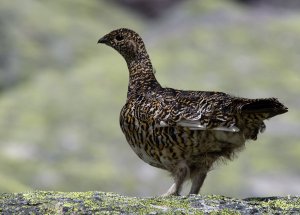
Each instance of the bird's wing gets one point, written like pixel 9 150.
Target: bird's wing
pixel 197 125
pixel 199 111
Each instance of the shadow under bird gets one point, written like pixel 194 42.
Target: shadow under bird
pixel 184 132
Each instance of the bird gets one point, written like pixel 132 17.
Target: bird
pixel 182 131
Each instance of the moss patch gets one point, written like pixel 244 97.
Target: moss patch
pixel 48 202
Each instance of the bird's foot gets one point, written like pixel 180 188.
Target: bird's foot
pixel 167 194
pixel 173 191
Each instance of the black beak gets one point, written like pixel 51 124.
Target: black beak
pixel 102 40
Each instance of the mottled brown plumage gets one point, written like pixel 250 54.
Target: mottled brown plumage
pixel 183 132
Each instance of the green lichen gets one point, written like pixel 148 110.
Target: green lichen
pixel 278 204
pixel 225 212
pixel 47 202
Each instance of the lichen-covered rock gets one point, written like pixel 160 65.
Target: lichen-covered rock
pixel 41 202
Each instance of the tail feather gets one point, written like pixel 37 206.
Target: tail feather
pixel 270 106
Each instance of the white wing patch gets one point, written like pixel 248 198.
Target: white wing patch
pixel 195 125
pixel 230 129
pixel 192 124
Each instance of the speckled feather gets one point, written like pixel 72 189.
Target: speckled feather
pixel 184 132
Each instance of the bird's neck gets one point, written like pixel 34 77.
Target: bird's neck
pixel 141 75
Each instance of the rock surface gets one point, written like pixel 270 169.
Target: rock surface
pixel 49 202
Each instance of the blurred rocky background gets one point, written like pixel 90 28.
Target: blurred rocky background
pixel 61 93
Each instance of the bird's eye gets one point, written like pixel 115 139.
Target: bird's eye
pixel 119 37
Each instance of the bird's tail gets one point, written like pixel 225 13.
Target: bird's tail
pixel 269 107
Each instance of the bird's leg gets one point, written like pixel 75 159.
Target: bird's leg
pixel 171 191
pixel 197 182
pixel 180 175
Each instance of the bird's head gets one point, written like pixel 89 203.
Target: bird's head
pixel 127 42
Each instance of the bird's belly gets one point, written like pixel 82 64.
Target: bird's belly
pixel 146 142
pixel 165 147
